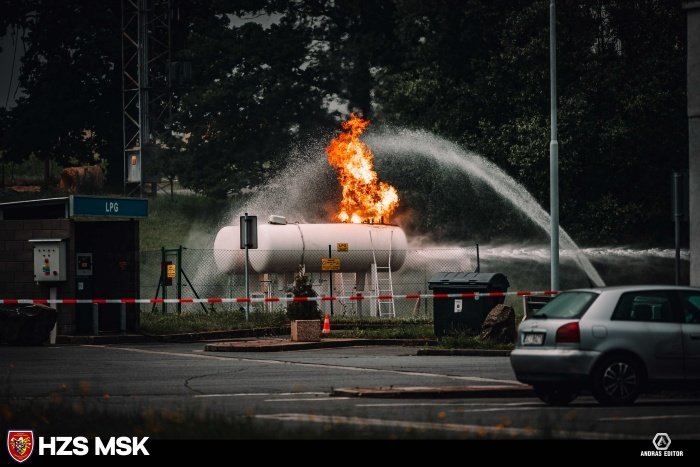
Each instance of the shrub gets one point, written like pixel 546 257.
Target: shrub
pixel 302 288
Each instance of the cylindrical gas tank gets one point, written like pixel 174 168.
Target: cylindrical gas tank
pixel 283 247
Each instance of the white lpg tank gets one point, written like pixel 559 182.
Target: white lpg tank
pixel 283 247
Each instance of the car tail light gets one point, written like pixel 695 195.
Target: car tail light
pixel 569 333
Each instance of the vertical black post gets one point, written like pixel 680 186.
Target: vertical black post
pixel 677 215
pixel 95 319
pixel 122 318
pixel 246 226
pixel 478 260
pixel 330 279
pixel 164 275
pixel 179 279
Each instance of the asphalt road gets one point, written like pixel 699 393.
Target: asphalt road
pixel 288 393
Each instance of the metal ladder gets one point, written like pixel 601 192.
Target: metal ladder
pixel 383 283
pixel 348 306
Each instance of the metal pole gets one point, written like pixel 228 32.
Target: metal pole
pixel 677 214
pixel 144 99
pixel 330 279
pixel 678 250
pixel 124 143
pixel 247 282
pixel 478 260
pixel 122 318
pixel 553 149
pixel 179 279
pixel 95 319
pixel 230 291
pixel 164 275
pixel 692 10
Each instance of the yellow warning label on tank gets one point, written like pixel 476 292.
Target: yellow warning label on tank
pixel 330 264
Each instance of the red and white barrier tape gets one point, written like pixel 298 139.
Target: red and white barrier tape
pixel 323 298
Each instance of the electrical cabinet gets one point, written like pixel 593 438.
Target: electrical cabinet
pixel 49 260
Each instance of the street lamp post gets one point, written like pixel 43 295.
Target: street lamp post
pixel 553 149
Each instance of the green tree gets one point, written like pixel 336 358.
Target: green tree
pixel 478 73
pixel 353 41
pixel 267 73
pixel 253 94
pixel 71 77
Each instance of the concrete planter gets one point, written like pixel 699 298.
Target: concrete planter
pixel 306 330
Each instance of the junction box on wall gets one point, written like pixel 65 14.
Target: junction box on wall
pixel 49 259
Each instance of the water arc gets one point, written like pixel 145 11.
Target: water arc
pixel 404 142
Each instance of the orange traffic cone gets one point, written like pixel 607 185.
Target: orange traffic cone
pixel 326 326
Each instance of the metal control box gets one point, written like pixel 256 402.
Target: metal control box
pixel 49 260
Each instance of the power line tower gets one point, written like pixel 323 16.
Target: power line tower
pixel 146 86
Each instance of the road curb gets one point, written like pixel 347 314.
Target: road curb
pixel 174 338
pixel 216 335
pixel 102 340
pixel 502 390
pixel 285 345
pixel 465 352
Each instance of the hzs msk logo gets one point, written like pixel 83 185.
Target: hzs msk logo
pixel 20 444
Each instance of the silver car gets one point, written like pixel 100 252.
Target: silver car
pixel 613 341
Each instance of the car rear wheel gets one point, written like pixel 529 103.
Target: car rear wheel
pixel 556 394
pixel 617 380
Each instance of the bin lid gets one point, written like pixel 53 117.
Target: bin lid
pixel 470 280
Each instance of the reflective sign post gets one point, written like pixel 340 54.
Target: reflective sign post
pixel 330 264
pixel 249 239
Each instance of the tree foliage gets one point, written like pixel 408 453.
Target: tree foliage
pixel 252 94
pixel 71 77
pixel 621 86
pixel 267 72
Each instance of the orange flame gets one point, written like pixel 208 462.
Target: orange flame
pixel 365 198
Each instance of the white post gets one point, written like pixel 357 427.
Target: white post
pixel 53 295
pixel 360 279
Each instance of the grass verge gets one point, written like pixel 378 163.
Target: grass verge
pixel 158 323
pixel 361 320
pixel 399 331
pixel 170 323
pixel 469 341
pixel 362 327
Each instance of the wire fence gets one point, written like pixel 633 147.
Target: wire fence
pixel 221 273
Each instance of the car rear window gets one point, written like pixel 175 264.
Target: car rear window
pixel 567 305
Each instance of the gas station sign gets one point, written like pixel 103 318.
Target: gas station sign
pixel 100 206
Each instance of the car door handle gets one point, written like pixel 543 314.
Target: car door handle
pixel 695 337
